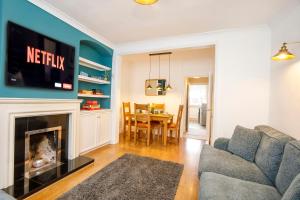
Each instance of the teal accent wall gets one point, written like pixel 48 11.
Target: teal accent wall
pixel 30 16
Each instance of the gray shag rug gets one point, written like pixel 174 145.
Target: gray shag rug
pixel 130 177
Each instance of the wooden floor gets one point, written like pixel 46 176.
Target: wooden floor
pixel 187 153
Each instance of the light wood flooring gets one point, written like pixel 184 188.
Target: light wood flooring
pixel 187 153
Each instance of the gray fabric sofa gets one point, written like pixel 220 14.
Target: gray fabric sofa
pixel 273 175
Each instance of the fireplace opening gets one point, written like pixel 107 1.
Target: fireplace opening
pixel 42 150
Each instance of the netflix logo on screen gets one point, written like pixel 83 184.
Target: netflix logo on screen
pixel 36 60
pixel 39 56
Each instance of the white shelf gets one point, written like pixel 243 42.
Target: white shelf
pixel 95 111
pixel 92 80
pixel 90 64
pixel 93 95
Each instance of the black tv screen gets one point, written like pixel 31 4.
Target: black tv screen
pixel 35 60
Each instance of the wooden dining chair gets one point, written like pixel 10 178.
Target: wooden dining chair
pixel 160 107
pixel 157 125
pixel 141 108
pixel 142 125
pixel 127 118
pixel 175 127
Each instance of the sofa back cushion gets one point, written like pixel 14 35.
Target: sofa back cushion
pixel 244 143
pixel 270 150
pixel 289 167
pixel 293 192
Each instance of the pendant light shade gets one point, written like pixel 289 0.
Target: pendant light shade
pixel 149 87
pixel 146 2
pixel 283 54
pixel 159 87
pixel 169 87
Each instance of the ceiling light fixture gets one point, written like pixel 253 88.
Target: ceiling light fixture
pixel 169 87
pixel 146 2
pixel 149 87
pixel 159 87
pixel 283 53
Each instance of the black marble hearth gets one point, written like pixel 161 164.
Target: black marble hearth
pixel 41 154
pixel 23 188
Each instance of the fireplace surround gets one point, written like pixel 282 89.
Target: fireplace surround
pixel 52 124
pixel 41 144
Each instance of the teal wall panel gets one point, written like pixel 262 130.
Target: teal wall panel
pixel 30 16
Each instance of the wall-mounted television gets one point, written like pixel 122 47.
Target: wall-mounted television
pixel 35 60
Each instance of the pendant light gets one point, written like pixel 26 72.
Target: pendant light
pixel 149 87
pixel 146 2
pixel 169 87
pixel 159 87
pixel 283 53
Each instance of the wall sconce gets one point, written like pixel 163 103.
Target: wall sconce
pixel 283 53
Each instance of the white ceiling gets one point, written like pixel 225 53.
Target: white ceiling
pixel 123 20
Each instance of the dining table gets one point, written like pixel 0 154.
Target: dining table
pixel 164 118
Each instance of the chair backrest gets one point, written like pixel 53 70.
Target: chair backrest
pixel 179 116
pixel 158 107
pixel 126 109
pixel 141 108
pixel 142 118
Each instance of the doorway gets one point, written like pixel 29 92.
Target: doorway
pixel 198 108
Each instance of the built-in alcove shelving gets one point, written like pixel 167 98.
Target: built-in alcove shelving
pixel 95 66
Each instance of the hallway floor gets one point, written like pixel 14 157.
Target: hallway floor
pixel 196 131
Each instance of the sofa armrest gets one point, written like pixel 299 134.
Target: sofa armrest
pixel 221 143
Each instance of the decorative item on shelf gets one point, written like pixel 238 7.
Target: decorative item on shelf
pixel 85 92
pixel 84 74
pixel 283 53
pixel 96 77
pixel 106 76
pixel 97 92
pixel 91 105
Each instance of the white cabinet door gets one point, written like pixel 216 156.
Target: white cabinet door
pixel 98 127
pixel 87 132
pixel 105 127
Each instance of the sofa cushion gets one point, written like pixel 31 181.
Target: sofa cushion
pixel 222 162
pixel 220 187
pixel 244 142
pixel 270 150
pixel 293 192
pixel 221 143
pixel 289 167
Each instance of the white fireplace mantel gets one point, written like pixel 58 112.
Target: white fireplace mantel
pixel 12 108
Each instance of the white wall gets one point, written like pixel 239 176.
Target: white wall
pixel 285 75
pixel 242 73
pixel 184 64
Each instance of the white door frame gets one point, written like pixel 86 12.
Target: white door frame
pixel 210 102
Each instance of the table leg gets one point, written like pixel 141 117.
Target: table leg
pixel 165 134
